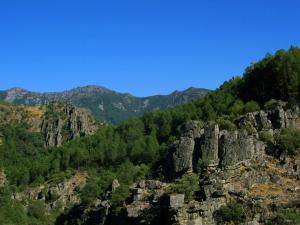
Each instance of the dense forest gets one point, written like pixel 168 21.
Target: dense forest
pixel 134 149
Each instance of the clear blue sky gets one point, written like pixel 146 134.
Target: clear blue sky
pixel 143 47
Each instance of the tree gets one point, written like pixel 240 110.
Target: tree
pixel 251 106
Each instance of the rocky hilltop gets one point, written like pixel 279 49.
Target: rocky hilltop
pixel 105 105
pixel 56 122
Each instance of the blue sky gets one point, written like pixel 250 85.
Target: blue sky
pixel 144 47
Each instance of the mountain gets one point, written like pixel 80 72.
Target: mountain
pixel 104 104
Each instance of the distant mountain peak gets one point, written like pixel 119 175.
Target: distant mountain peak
pixel 105 104
pixel 17 89
pixel 90 88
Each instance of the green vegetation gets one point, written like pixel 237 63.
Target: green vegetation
pixel 289 141
pixel 251 106
pixel 275 77
pixel 232 212
pixel 266 137
pixel 286 217
pixel 36 209
pixel 12 211
pixel 271 104
pixel 202 166
pixel 22 155
pixel 187 185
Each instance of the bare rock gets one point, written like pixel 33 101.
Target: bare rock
pixel 210 143
pixel 237 146
pixel 176 201
pixel 115 185
pixel 183 155
pixel 63 122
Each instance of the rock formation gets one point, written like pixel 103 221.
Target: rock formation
pixel 226 147
pixel 67 123
pixel 57 122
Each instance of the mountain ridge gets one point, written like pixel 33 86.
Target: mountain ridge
pixel 105 104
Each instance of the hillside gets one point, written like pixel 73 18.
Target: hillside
pixel 231 157
pixel 105 105
pixel 55 122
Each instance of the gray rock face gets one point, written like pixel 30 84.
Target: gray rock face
pixel 55 195
pixel 192 129
pixel 182 157
pixel 291 116
pixel 52 131
pixel 227 148
pixel 254 122
pixel 262 120
pixel 210 143
pixel 67 123
pixel 176 201
pixel 219 148
pixel 284 118
pixel 238 146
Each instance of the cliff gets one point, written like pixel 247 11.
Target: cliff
pixel 56 122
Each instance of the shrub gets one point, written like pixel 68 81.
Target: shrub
pixel 251 106
pixel 120 195
pixel 36 209
pixel 188 184
pixel 266 137
pixel 202 166
pixel 232 212
pixel 226 124
pixel 271 104
pixel 289 140
pixel 285 217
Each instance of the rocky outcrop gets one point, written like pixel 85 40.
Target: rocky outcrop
pixel 66 122
pixel 223 148
pixel 176 201
pixel 56 195
pixel 57 122
pixel 182 157
pixel 209 143
pixel 261 185
pixel 237 146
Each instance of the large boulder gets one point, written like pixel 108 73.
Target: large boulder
pixel 182 156
pixel 237 146
pixel 291 116
pixel 192 129
pixel 209 143
pixel 262 121
pixel 254 122
pixel 176 201
pixel 282 118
